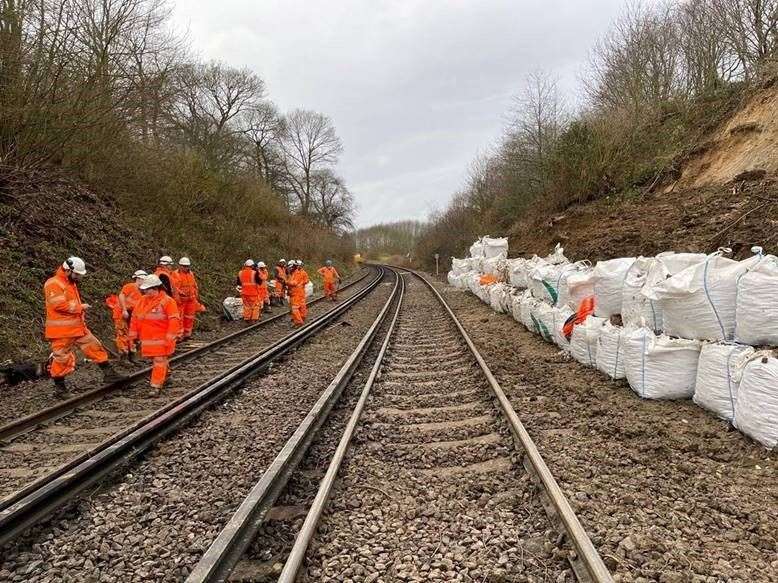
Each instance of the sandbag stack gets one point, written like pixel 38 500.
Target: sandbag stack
pixel 675 325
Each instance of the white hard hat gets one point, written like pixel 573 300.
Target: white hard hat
pixel 150 281
pixel 282 260
pixel 184 261
pixel 261 264
pixel 75 264
pixel 139 273
pixel 299 262
pixel 249 263
pixel 165 260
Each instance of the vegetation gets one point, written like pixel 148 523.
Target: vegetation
pixel 661 79
pixel 388 239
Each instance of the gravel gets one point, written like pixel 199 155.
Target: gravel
pixel 667 492
pixel 155 519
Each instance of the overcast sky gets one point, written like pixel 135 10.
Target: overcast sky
pixel 416 88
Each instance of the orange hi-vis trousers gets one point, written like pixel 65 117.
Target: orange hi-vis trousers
pixel 122 335
pixel 160 365
pixel 188 310
pixel 252 308
pixel 63 359
pixel 330 290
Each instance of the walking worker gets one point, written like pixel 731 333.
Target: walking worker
pixel 122 307
pixel 295 284
pixel 331 279
pixel 164 272
pixel 248 286
pixel 66 328
pixel 280 278
pixel 157 324
pixel 307 280
pixel 188 296
pixel 264 292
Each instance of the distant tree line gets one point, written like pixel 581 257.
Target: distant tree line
pixel 662 76
pixel 384 239
pixel 105 88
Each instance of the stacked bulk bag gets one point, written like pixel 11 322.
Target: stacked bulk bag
pixel 494 248
pixel 516 307
pixel 610 351
pixel 636 309
pixel 756 413
pixel 660 367
pixel 756 305
pixel 527 304
pixel 477 249
pixel 608 281
pixel 460 266
pixel 699 301
pixel 560 315
pixel 718 377
pixel 518 271
pixel 544 279
pixel 507 299
pixel 497 293
pixel 575 284
pixel 452 278
pixel 543 320
pixel 583 342
pixel 557 257
pixel 494 266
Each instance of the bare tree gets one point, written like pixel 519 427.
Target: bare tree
pixel 310 144
pixel 750 27
pixel 262 125
pixel 333 204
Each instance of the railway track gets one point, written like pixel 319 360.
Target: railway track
pixel 68 449
pixel 441 480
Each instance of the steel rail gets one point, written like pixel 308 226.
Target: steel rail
pixel 22 425
pixel 45 495
pixel 228 547
pixel 308 529
pixel 593 565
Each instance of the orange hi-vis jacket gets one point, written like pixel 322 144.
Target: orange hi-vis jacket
pixel 186 285
pixel 247 278
pixel 132 295
pixel 329 274
pixel 64 311
pixel 280 274
pixel 296 284
pixel 156 322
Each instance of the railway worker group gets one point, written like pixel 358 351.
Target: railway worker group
pixel 157 310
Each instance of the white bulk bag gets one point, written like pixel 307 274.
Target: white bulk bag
pixel 453 278
pixel 756 306
pixel 484 293
pixel 494 266
pixel 544 279
pixel 660 367
pixel 610 351
pixel 460 266
pixel 560 316
pixel 309 289
pixel 516 306
pixel 636 309
pixel 527 305
pixel 543 318
pixel 518 271
pixel 583 342
pixel 718 377
pixel 233 308
pixel 575 284
pixel 495 248
pixel 497 293
pixel 477 249
pixel 699 301
pixel 756 413
pixel 474 283
pixel 507 299
pixel 557 257
pixel 608 280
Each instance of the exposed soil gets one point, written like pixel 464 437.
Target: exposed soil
pixel 666 491
pixel 154 521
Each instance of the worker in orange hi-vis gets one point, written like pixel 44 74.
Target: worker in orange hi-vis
pixel 122 306
pixel 66 327
pixel 295 284
pixel 331 279
pixel 280 278
pixel 188 296
pixel 264 292
pixel 156 323
pixel 164 272
pixel 304 275
pixel 248 285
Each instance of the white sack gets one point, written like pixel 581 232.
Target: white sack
pixel 495 248
pixel 660 367
pixel 477 249
pixel 583 342
pixel 484 293
pixel 699 301
pixel 453 278
pixel 494 266
pixel 497 293
pixel 610 351
pixel 718 378
pixel 527 305
pixel 608 280
pixel 460 266
pixel 575 285
pixel 544 279
pixel 543 319
pixel 756 413
pixel 309 289
pixel 636 309
pixel 756 306
pixel 519 270
pixel 559 317
pixel 557 257
pixel 516 307
pixel 233 308
pixel 507 299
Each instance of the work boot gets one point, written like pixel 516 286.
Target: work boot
pixel 131 356
pixel 109 374
pixel 60 388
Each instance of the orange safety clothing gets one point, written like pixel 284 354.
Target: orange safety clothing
pixel 298 308
pixel 280 277
pixel 331 277
pixel 249 282
pixel 156 323
pixel 120 324
pixel 130 295
pixel 264 294
pixel 64 310
pixel 160 366
pixel 63 359
pixel 189 299
pixel 252 308
pixel 585 309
